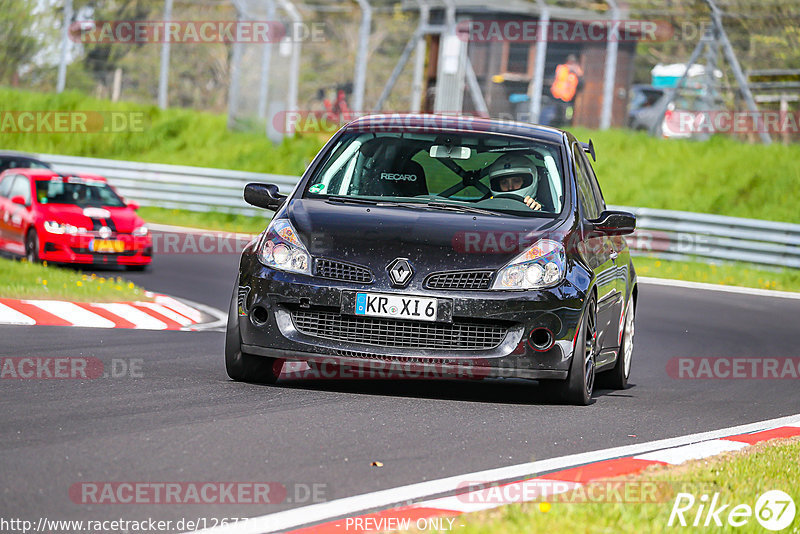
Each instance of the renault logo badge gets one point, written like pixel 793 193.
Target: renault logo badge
pixel 400 272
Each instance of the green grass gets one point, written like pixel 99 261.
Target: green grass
pixel 733 274
pixel 740 478
pixel 722 176
pixel 20 279
pixel 226 222
pixel 174 136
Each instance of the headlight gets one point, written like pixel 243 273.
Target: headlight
pixel 280 248
pixel 60 228
pixel 54 227
pixel 542 265
pixel 141 231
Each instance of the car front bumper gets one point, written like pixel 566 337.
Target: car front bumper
pixel 138 250
pixel 270 302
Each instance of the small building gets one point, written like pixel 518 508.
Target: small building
pixel 502 54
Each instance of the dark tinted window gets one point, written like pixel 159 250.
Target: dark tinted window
pixel 75 190
pixel 598 193
pixel 585 190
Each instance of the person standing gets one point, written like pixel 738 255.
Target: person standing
pixel 568 81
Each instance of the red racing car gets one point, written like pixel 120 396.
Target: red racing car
pixel 46 216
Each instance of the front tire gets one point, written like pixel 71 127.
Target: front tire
pixel 241 366
pixel 580 382
pixel 32 246
pixel 617 378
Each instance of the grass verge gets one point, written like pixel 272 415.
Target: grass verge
pixel 173 136
pixel 731 274
pixel 722 176
pixel 21 279
pixel 225 222
pixel 739 478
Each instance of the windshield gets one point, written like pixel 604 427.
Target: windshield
pixel 74 190
pixel 486 172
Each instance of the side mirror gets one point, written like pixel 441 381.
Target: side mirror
pixel 615 223
pixel 264 196
pixel 133 205
pixel 19 199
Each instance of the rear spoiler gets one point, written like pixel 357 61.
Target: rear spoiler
pixel 589 149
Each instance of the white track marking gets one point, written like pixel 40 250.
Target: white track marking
pixel 717 287
pixel 220 317
pixel 166 312
pixel 349 506
pixel 179 307
pixel 139 318
pixel 695 451
pixel 72 313
pixel 11 316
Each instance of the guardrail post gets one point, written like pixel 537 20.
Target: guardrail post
pixel 294 64
pixel 361 57
pixel 62 62
pixel 537 82
pixel 163 75
pixel 610 74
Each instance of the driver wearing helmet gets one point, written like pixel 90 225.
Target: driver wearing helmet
pixel 515 174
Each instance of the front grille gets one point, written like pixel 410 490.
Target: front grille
pixel 460 280
pixel 339 270
pixel 399 359
pixel 399 333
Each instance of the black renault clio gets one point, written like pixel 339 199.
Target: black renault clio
pixel 444 244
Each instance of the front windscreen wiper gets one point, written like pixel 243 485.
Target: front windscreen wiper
pixel 351 200
pixel 461 208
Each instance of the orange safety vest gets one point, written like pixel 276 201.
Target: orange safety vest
pixel 565 84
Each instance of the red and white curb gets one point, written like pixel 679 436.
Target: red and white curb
pixel 382 510
pixel 162 313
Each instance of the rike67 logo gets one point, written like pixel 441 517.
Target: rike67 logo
pixel 774 510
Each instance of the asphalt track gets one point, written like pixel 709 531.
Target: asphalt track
pixel 183 420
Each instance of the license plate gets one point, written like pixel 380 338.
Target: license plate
pixel 106 245
pixel 396 306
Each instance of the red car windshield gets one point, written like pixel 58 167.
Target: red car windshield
pixel 77 191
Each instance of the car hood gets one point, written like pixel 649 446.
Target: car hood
pixel 123 219
pixel 432 240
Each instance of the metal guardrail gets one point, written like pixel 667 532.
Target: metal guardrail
pixel 686 235
pixel 662 233
pixel 174 186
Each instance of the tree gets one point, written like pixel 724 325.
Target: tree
pixel 18 42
